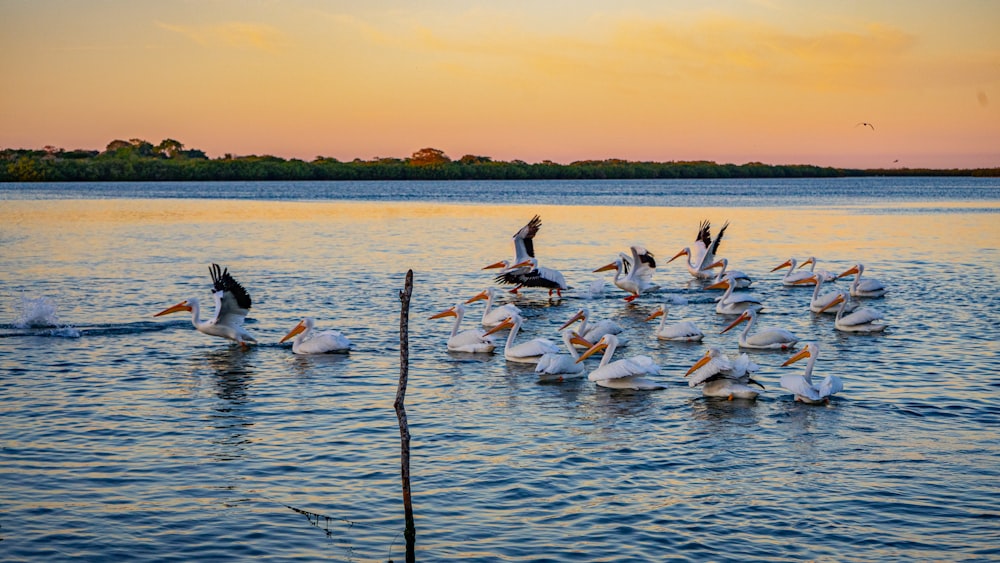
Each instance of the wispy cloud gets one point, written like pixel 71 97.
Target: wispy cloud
pixel 240 35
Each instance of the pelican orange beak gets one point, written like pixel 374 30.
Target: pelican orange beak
pixel 298 328
pixel 716 264
pixel 853 270
pixel 809 261
pixel 611 266
pixel 804 353
pixel 576 317
pixel 522 264
pixel 500 264
pixel 742 318
pixel 507 323
pixel 481 295
pixel 785 264
pixel 601 345
pixel 836 300
pixel 580 341
pixel 654 314
pixel 721 284
pixel 182 306
pixel 679 254
pixel 449 312
pixel 803 281
pixel 704 360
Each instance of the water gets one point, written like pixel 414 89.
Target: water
pixel 129 436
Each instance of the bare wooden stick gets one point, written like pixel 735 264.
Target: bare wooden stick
pixel 410 532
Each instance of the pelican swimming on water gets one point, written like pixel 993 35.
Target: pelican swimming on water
pixel 820 303
pixel 474 341
pixel 559 365
pixel 867 287
pixel 720 376
pixel 802 386
pixel 683 331
pixel 705 249
pixel 493 316
pixel 769 338
pixel 730 304
pixel 232 304
pixel 593 331
pixel 792 277
pixel 529 352
pixel 628 373
pixel 325 342
pixel 638 272
pixel 864 319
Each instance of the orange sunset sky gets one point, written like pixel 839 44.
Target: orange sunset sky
pixel 781 82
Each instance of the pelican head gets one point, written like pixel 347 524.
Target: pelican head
pixel 806 352
pixel 484 294
pixel 810 260
pixel 186 305
pixel 745 316
pixel 855 269
pixel 710 355
pixel 612 266
pixel 452 311
pixel 661 310
pixel 304 324
pixel 601 344
pixel 509 322
pixel 679 254
pixel 501 264
pixel 580 315
pixel 790 263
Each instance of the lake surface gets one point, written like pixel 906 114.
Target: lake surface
pixel 132 437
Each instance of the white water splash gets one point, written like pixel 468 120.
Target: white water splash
pixel 40 312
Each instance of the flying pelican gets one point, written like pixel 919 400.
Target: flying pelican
pixel 864 319
pixel 232 303
pixel 562 365
pixel 684 331
pixel 326 342
pixel 818 303
pixel 825 275
pixel 529 352
pixel 802 386
pixel 730 304
pixel 492 317
pixel 764 339
pixel 475 341
pixel 867 287
pixel 791 276
pixel 865 124
pixel 742 280
pixel 720 376
pixel 640 278
pixel 525 271
pixel 592 332
pixel 621 374
pixel 705 249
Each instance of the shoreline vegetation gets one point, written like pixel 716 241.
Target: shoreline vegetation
pixel 137 160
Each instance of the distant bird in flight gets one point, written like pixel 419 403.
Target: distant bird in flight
pixel 865 123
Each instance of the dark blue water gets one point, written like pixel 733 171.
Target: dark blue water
pixel 132 437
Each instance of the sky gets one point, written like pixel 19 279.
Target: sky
pixel 773 81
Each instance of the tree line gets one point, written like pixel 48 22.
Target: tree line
pixel 137 160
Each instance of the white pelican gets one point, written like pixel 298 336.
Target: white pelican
pixel 562 365
pixel 769 338
pixel 475 341
pixel 802 385
pixel 720 376
pixel 638 272
pixel 825 275
pixel 867 287
pixel 743 281
pixel 326 342
pixel 684 331
pixel 819 303
pixel 730 304
pixel 232 303
pixel 864 319
pixel 525 271
pixel 792 276
pixel 529 352
pixel 592 332
pixel 621 374
pixel 492 317
pixel 705 249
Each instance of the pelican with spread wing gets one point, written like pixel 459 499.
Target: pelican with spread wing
pixel 525 271
pixel 638 272
pixel 705 248
pixel 720 376
pixel 232 304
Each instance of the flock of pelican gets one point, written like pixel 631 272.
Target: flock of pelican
pixel 718 374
